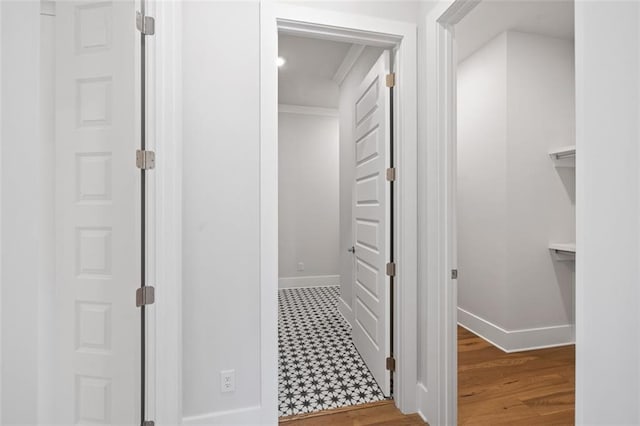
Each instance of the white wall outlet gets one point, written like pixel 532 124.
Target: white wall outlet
pixel 228 381
pixel 300 266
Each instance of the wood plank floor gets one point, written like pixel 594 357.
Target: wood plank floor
pixel 524 388
pixel 494 388
pixel 382 413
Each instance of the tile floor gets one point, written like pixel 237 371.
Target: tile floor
pixel 319 368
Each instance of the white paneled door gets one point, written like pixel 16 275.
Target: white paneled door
pixel 97 259
pixel 371 331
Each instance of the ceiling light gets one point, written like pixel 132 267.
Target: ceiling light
pixel 280 61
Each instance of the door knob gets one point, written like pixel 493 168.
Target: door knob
pixel 352 249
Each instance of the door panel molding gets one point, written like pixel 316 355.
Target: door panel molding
pixel 96 261
pixel 371 221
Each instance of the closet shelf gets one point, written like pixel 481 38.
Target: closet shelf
pixel 563 251
pixel 564 157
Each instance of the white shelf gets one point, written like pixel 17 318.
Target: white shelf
pixel 570 247
pixel 564 251
pixel 564 157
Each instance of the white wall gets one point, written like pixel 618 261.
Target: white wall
pixel 221 285
pixel 221 209
pixel 541 209
pixel 348 90
pixel 308 90
pixel 397 10
pixel 308 199
pixel 608 208
pixel 515 103
pixel 482 183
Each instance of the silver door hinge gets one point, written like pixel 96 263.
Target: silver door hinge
pixel 391 80
pixel 145 24
pixel 145 160
pixel 391 269
pixel 391 363
pixel 454 274
pixel 391 174
pixel 145 296
pixel 148 423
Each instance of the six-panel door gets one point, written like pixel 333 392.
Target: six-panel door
pixel 97 259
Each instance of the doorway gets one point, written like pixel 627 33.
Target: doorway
pixel 334 305
pixel 353 29
pixel 515 212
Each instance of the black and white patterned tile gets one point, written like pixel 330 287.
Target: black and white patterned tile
pixel 319 368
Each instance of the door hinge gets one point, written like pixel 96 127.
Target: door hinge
pixel 145 160
pixel 454 274
pixel 145 24
pixel 391 269
pixel 145 296
pixel 391 364
pixel 148 423
pixel 391 174
pixel 391 80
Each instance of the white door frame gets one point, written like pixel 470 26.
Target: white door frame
pixel 337 26
pixel 166 124
pixel 438 391
pixel 164 121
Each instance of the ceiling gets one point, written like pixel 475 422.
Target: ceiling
pixel 307 77
pixel 311 57
pixel 552 18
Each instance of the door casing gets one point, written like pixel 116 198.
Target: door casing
pixel 165 122
pixel 401 39
pixel 438 394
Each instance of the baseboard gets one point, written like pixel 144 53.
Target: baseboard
pixel 423 407
pixel 242 416
pixel 306 110
pixel 313 281
pixel 346 311
pixel 517 340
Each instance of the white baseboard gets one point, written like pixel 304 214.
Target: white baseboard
pixel 517 340
pixel 313 281
pixel 243 416
pixel 346 311
pixel 307 110
pixel 423 408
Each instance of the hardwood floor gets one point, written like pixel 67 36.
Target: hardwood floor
pixel 382 413
pixel 494 388
pixel 524 388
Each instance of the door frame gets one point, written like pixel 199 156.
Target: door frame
pixel 439 396
pixel 164 124
pixel 438 392
pixel 401 37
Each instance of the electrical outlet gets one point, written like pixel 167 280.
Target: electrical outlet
pixel 300 266
pixel 228 381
